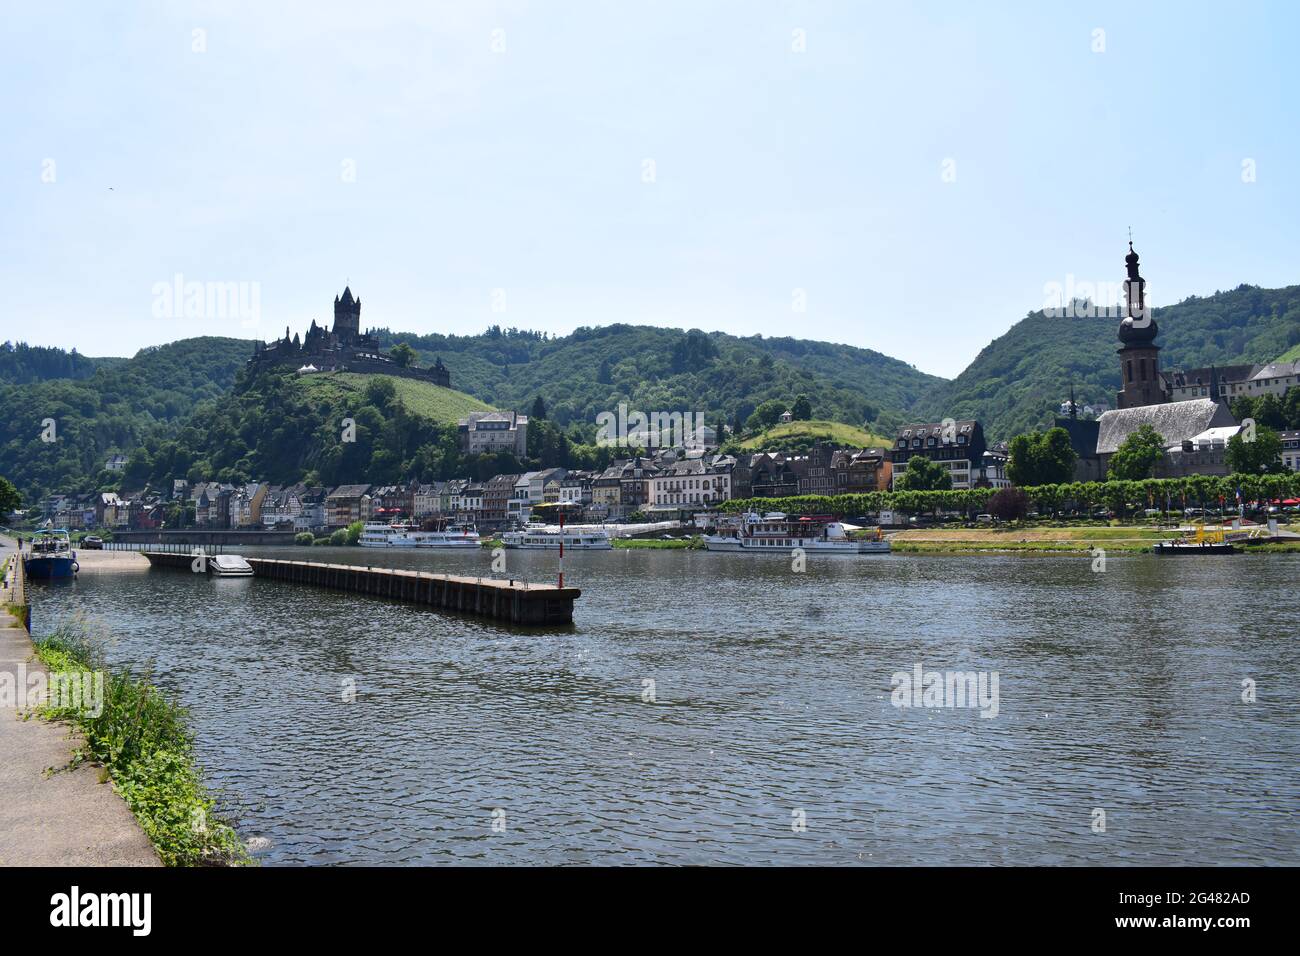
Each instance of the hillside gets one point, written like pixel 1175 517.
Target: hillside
pixel 1290 355
pixel 800 436
pixel 1017 381
pixel 425 399
pixel 118 406
pixel 655 369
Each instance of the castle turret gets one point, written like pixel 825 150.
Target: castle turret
pixel 347 317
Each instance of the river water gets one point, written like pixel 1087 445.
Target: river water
pixel 709 708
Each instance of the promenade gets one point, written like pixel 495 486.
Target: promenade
pixel 50 815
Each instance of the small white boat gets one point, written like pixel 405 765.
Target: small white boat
pixel 229 566
pixel 575 539
pixel 402 535
pixel 775 533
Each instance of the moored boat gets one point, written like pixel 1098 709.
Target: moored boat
pixel 405 535
pixel 229 566
pixel 1202 543
pixel 575 539
pixel 777 533
pixel 51 556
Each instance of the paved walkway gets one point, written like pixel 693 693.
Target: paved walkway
pixel 65 818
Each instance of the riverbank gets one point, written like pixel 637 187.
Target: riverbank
pixel 1117 540
pixel 54 810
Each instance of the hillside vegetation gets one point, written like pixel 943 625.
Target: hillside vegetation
pixel 425 399
pixel 800 436
pixel 1018 381
pixel 120 405
pixel 652 369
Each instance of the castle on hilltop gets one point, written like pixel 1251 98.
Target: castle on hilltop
pixel 345 348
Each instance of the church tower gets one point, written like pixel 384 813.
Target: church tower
pixel 347 317
pixel 1139 356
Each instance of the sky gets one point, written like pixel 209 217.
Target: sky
pixel 907 177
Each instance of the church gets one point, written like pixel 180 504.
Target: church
pixel 344 348
pixel 1195 430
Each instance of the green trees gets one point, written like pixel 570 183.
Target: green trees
pixel 922 474
pixel 766 415
pixel 801 409
pixel 1262 455
pixel 403 355
pixel 538 411
pixel 9 497
pixel 1137 455
pixel 1041 458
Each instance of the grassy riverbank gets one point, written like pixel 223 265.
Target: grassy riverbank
pixel 141 740
pixel 1116 540
pixel 686 544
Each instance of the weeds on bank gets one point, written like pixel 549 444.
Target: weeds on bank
pixel 142 741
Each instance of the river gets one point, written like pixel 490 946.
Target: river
pixel 709 708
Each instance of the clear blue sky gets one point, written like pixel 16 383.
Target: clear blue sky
pixel 522 170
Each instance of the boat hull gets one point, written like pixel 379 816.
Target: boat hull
pixel 1169 548
pixel 852 549
pixel 50 568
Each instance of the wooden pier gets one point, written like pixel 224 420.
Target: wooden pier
pixel 512 601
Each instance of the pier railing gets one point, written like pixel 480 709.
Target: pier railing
pixel 168 547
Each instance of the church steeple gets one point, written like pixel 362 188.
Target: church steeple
pixel 1139 354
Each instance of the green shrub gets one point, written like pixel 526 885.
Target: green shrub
pixel 141 738
pixel 304 538
pixel 339 538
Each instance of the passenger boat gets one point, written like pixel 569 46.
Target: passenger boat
pixel 406 535
pixel 229 566
pixel 51 556
pixel 1203 542
pixel 776 533
pixel 575 539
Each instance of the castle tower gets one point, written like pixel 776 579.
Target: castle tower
pixel 1139 356
pixel 347 317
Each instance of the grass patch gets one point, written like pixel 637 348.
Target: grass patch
pixel 141 740
pixel 788 435
pixel 692 543
pixel 420 398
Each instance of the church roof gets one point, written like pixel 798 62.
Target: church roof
pixel 1083 435
pixel 1174 421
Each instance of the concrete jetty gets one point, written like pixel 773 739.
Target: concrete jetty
pixel 51 815
pixel 512 601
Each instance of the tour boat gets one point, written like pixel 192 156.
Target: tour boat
pixel 51 555
pixel 575 539
pixel 775 533
pixel 400 535
pixel 229 566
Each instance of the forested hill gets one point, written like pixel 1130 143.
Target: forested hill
pixel 21 363
pixel 114 409
pixel 656 369
pixel 1018 381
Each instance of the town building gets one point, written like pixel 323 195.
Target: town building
pixel 958 446
pixel 486 433
pixel 346 504
pixel 1290 449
